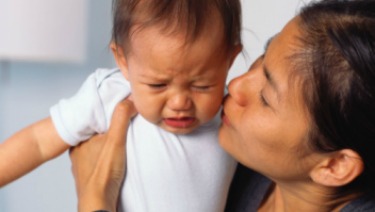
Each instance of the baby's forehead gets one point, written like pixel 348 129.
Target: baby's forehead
pixel 167 47
pixel 174 29
pixel 177 15
pixel 189 17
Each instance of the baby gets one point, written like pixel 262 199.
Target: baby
pixel 173 57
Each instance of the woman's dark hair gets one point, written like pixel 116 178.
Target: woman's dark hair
pixel 175 16
pixel 338 54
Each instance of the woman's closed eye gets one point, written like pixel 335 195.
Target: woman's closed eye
pixel 263 100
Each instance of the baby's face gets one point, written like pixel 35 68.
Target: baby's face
pixel 174 86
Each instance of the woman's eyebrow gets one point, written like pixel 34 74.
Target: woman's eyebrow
pixel 269 78
pixel 268 42
pixel 272 82
pixel 267 73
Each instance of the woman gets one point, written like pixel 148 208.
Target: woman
pixel 301 118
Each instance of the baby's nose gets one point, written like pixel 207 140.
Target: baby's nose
pixel 180 101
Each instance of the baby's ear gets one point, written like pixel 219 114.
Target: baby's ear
pixel 338 169
pixel 236 50
pixel 119 55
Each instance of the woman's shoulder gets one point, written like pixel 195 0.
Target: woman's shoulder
pixel 247 190
pixel 362 204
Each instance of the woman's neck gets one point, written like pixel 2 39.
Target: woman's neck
pixel 282 198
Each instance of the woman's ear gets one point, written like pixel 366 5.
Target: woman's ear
pixel 119 55
pixel 338 169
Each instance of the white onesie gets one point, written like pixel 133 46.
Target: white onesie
pixel 165 172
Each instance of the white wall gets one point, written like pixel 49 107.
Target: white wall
pixel 261 20
pixel 28 90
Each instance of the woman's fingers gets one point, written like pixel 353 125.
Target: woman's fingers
pixel 121 117
pixel 99 164
pixel 112 160
pixel 113 153
pixel 110 169
pixel 84 159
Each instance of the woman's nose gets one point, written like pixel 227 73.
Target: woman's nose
pixel 179 102
pixel 239 89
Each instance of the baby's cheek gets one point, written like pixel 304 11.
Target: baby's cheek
pixel 209 112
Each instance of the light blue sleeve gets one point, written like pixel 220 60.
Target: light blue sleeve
pixel 89 111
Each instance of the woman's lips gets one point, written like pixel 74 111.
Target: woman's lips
pixel 224 118
pixel 183 122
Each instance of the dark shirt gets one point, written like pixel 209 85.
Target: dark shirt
pixel 249 188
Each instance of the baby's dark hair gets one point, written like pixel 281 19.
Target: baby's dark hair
pixel 338 59
pixel 190 16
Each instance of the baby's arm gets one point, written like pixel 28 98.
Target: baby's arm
pixel 28 149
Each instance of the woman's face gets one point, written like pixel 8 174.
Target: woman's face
pixel 265 123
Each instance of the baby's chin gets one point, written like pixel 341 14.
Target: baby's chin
pixel 179 131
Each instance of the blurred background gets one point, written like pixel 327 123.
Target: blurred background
pixel 36 70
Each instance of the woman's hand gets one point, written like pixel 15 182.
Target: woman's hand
pixel 98 165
